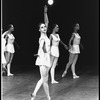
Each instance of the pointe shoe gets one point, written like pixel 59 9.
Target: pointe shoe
pixel 64 73
pixel 54 82
pixel 32 97
pixel 10 74
pixel 4 68
pixel 49 98
pixel 75 76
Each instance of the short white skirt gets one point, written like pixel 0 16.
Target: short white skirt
pixel 43 59
pixel 3 60
pixel 10 48
pixel 54 51
pixel 74 49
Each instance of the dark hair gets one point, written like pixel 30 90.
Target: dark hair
pixel 9 26
pixel 54 25
pixel 40 24
pixel 75 24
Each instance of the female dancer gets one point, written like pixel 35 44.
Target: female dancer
pixel 73 51
pixel 55 39
pixel 3 60
pixel 43 59
pixel 9 51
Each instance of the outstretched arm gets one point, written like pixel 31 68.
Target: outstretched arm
pixel 46 21
pixel 66 47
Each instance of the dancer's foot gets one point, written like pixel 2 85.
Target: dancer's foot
pixel 4 67
pixel 32 96
pixel 4 71
pixel 10 74
pixel 49 98
pixel 64 73
pixel 54 82
pixel 75 76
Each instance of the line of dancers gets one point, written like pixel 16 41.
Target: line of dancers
pixel 48 53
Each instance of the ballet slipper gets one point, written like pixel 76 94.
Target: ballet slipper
pixel 75 76
pixel 49 98
pixel 10 74
pixel 32 96
pixel 54 82
pixel 64 73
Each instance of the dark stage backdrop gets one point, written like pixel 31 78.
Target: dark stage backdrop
pixel 25 15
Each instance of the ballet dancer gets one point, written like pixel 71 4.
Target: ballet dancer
pixel 55 39
pixel 9 51
pixel 43 59
pixel 74 51
pixel 3 45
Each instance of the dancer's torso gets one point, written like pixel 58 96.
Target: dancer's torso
pixel 76 40
pixel 55 39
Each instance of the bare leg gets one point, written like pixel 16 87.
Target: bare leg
pixel 52 71
pixel 73 66
pixel 38 85
pixel 45 84
pixel 71 58
pixel 44 78
pixel 3 68
pixel 9 65
pixel 9 57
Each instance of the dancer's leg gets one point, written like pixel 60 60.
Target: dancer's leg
pixel 73 66
pixel 71 58
pixel 3 69
pixel 39 83
pixel 45 83
pixel 7 56
pixel 10 57
pixel 52 71
pixel 43 73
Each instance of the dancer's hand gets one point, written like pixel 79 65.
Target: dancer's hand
pixel 66 47
pixel 36 55
pixel 45 8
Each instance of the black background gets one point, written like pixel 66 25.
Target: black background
pixel 25 15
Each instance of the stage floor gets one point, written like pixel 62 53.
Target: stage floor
pixel 21 85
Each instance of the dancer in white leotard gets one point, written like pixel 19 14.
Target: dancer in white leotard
pixel 3 60
pixel 9 51
pixel 55 39
pixel 73 51
pixel 43 59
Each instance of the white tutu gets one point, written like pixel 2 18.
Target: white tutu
pixel 3 60
pixel 54 51
pixel 43 59
pixel 10 48
pixel 74 49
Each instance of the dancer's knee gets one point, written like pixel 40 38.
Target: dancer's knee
pixel 45 79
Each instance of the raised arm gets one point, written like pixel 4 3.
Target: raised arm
pixel 46 21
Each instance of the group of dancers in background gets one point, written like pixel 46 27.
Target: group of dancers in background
pixel 48 53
